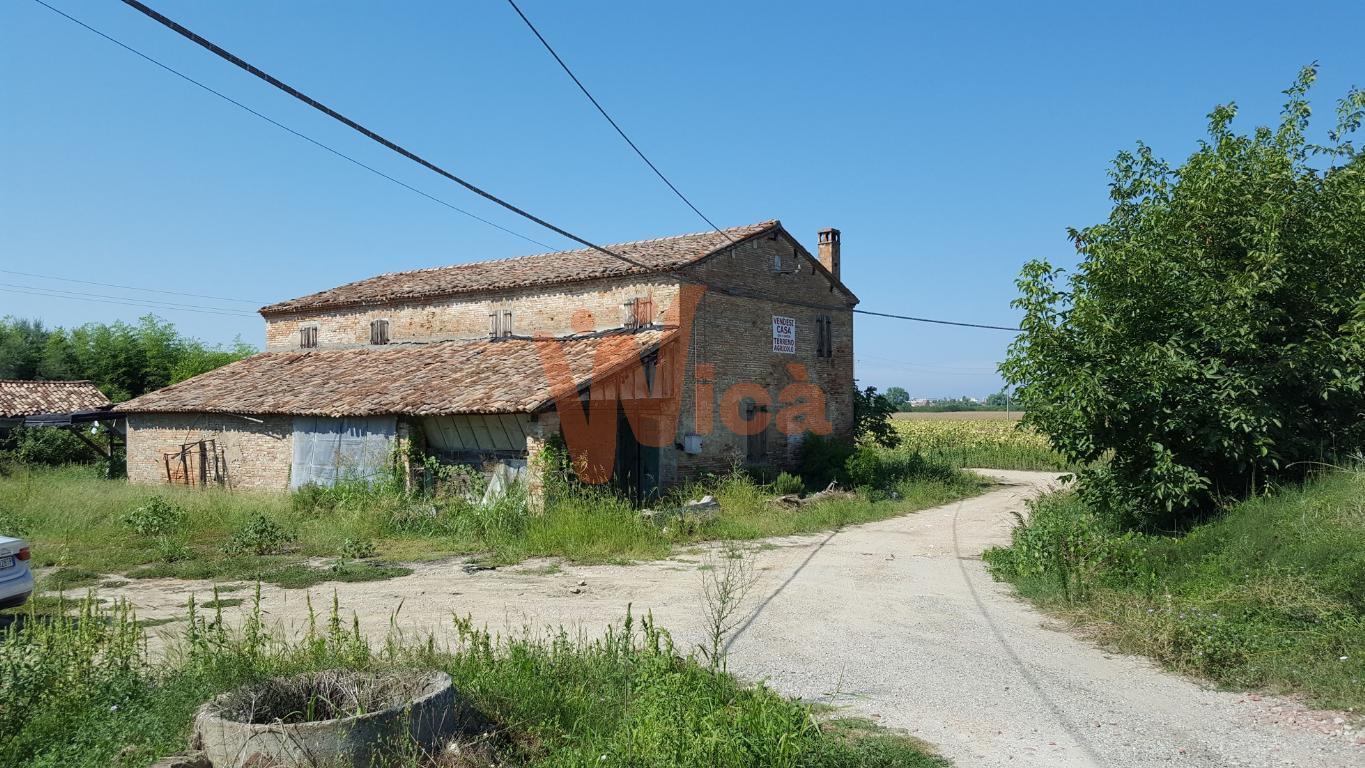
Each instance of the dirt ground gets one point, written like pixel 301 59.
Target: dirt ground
pixel 895 620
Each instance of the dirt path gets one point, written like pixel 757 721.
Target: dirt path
pixel 895 620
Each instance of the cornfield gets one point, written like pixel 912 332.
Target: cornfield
pixel 994 444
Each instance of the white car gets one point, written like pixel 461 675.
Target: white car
pixel 16 579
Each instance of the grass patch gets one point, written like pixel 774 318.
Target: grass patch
pixel 88 526
pixel 994 443
pixel 223 602
pixel 69 578
pixel 1270 595
pixel 82 692
pixel 280 571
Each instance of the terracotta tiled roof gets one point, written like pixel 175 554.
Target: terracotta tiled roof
pixel 31 398
pixel 661 255
pixel 491 376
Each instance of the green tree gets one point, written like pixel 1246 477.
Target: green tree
pixel 898 397
pixel 1211 340
pixel 872 415
pixel 21 342
pixel 1000 399
pixel 123 360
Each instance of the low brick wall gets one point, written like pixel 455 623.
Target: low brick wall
pixel 254 454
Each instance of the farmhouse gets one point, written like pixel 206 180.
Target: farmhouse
pixel 663 359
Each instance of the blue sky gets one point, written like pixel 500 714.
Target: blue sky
pixel 949 142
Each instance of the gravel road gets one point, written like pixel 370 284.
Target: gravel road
pixel 895 620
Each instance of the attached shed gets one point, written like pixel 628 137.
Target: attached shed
pixel 279 420
pixel 20 400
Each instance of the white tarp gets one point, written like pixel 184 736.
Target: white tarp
pixel 327 450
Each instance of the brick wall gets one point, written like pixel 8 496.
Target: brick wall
pixel 731 341
pixel 257 455
pixel 733 335
pixel 547 310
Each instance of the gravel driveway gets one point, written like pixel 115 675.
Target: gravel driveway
pixel 897 621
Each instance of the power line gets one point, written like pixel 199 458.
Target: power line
pixel 132 287
pixel 938 322
pixel 618 128
pixel 286 128
pixel 560 60
pixel 102 299
pixel 237 61
pixel 388 144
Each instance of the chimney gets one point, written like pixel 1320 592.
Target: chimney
pixel 829 250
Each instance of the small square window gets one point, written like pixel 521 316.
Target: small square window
pixel 308 337
pixel 379 331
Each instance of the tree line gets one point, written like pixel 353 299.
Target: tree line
pixel 900 401
pixel 124 360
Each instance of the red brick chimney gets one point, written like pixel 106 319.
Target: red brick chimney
pixel 829 250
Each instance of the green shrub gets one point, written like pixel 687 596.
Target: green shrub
pixel 881 469
pixel 260 536
pixel 312 500
pixel 1196 352
pixel 171 550
pixel 47 446
pixel 872 418
pixel 357 549
pixel 1268 594
pixel 787 483
pixel 157 517
pixel 1064 540
pixel 822 460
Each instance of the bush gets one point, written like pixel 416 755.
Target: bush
pixel 881 469
pixel 47 446
pixel 1062 540
pixel 357 549
pixel 786 483
pixel 822 460
pixel 260 536
pixel 1197 351
pixel 872 418
pixel 155 518
pixel 171 550
pixel 1269 594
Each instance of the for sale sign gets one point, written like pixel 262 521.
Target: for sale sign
pixel 784 334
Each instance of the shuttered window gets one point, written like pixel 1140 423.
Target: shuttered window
pixel 499 323
pixel 756 446
pixel 379 331
pixel 824 336
pixel 308 337
pixel 637 313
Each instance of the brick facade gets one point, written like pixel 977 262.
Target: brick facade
pixel 257 452
pixel 555 311
pixel 734 336
pixel 731 369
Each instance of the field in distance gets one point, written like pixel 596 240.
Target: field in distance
pixel 982 439
pixel 960 415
